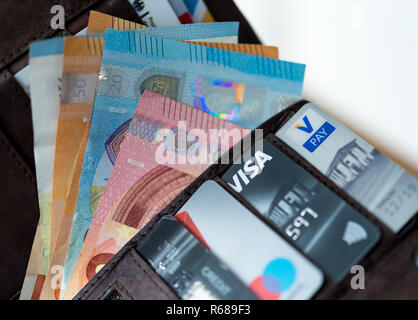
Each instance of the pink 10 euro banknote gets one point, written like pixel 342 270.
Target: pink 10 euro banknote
pixel 168 144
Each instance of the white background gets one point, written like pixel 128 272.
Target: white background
pixel 362 63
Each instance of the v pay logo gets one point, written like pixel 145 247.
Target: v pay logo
pixel 304 130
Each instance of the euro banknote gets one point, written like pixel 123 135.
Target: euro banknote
pixel 196 74
pixel 81 222
pixel 45 60
pixel 45 75
pixel 167 145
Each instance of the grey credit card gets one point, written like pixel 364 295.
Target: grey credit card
pixel 325 227
pixel 375 181
pixel 192 271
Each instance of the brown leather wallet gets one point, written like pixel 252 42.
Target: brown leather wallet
pixel 391 266
pixel 22 24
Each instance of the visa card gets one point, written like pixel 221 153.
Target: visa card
pixel 263 260
pixel 333 234
pixel 192 271
pixel 379 184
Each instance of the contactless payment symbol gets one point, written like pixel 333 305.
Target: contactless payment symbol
pixel 354 233
pixel 278 276
pixel 311 130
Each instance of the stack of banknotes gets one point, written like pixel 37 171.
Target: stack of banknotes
pixel 100 102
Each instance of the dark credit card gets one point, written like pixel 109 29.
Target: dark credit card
pixel 324 226
pixel 192 271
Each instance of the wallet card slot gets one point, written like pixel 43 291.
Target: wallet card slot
pixel 176 250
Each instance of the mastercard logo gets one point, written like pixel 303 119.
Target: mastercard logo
pixel 278 276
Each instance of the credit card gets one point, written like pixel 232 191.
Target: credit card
pixel 198 10
pixel 384 188
pixel 333 234
pixel 181 11
pixel 262 259
pixel 192 271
